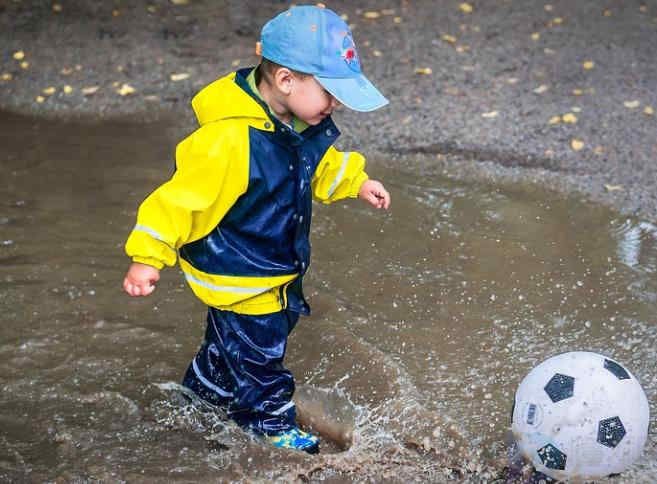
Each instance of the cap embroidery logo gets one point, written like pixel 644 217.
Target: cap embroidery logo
pixel 349 53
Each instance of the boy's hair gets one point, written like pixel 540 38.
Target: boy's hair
pixel 267 69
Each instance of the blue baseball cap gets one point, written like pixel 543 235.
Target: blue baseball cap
pixel 316 41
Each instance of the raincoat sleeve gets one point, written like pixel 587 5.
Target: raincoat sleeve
pixel 338 175
pixel 211 173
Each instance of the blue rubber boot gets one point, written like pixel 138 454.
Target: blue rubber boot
pixel 296 439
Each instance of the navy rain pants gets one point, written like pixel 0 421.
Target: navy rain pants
pixel 240 366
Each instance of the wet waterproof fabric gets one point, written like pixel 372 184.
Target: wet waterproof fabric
pixel 240 367
pixel 236 213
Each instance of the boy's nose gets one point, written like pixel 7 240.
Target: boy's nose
pixel 335 103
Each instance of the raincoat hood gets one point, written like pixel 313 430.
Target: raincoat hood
pixel 224 99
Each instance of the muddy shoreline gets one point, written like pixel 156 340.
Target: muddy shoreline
pixel 493 107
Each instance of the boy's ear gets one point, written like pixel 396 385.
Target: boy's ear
pixel 284 79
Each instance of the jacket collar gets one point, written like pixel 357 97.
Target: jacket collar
pixel 231 97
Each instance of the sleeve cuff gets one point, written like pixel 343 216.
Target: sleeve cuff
pixel 149 261
pixel 357 183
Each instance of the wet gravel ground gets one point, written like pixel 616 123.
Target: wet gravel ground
pixel 560 93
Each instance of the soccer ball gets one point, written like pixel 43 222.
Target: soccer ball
pixel 580 415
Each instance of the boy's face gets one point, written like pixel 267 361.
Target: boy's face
pixel 309 101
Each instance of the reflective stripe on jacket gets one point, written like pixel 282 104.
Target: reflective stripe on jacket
pixel 237 211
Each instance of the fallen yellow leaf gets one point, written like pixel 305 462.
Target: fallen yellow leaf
pixel 388 11
pixel 599 150
pixel 465 8
pixel 548 7
pixel 371 15
pixel 377 53
pixel 512 80
pixel 423 70
pixel 126 90
pixel 554 120
pixel 151 9
pixel 643 8
pixel 462 48
pixel 49 91
pixel 236 62
pixel 397 20
pixel 536 36
pixel 649 111
pixel 541 89
pixel 67 89
pixel 491 114
pixel 88 91
pixel 576 109
pixel 40 99
pixel 179 77
pixel 66 71
pixel 449 38
pixel 569 118
pixel 19 55
pixel 56 7
pixel 25 65
pixel 557 20
pixel 548 51
pixel 632 104
pixel 588 65
pixel 6 76
pixel 613 188
pixel 180 2
pixel 577 92
pixel 607 13
pixel 576 144
pixel 116 12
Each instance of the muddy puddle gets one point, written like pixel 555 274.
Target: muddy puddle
pixel 425 319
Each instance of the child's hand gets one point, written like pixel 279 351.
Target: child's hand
pixel 140 279
pixel 375 194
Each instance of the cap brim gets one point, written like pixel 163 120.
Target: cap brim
pixel 357 93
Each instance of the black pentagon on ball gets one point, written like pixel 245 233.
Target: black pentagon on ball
pixel 620 372
pixel 551 457
pixel 560 387
pixel 611 431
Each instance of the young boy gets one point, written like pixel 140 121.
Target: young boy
pixel 236 213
